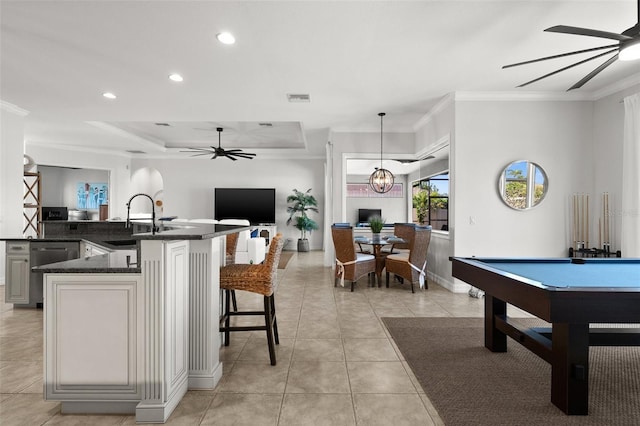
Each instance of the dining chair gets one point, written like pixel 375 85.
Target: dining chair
pixel 350 265
pixel 412 266
pixel 259 278
pixel 406 231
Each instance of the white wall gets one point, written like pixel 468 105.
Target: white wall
pixel 11 174
pixel 189 186
pixel 491 134
pixel 436 129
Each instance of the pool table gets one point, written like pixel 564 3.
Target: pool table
pixel 570 294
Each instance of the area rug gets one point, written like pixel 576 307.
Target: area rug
pixel 469 385
pixel 285 257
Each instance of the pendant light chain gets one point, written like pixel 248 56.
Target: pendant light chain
pixel 382 114
pixel 381 180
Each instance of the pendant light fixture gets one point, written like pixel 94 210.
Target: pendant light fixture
pixel 381 180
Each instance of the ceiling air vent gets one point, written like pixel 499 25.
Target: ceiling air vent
pixel 135 151
pixel 265 124
pixel 298 97
pixel 163 124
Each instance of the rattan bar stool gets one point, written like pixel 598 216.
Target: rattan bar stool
pixel 255 278
pixel 230 259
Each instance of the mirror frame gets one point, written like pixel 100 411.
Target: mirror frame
pixel 532 170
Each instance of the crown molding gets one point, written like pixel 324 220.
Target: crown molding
pixel 616 87
pixel 14 109
pixel 512 96
pixel 78 148
pixel 443 103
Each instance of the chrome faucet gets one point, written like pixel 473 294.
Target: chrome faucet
pixel 153 212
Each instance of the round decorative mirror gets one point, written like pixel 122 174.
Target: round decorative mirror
pixel 522 185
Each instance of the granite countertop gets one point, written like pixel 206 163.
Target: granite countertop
pixel 109 241
pixel 123 258
pixel 196 231
pixel 120 261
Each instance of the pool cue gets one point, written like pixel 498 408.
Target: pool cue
pixel 587 224
pixel 575 236
pixel 599 232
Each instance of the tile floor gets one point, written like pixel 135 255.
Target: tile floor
pixel 336 363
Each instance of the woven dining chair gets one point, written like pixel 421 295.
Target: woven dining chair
pixel 350 266
pixel 258 278
pixel 412 266
pixel 406 231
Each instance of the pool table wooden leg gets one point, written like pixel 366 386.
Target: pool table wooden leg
pixel 494 339
pixel 570 368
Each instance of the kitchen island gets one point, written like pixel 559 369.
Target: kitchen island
pixel 131 331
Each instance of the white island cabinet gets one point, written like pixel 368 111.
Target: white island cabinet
pixel 127 337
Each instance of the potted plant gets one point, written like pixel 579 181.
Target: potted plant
pixel 303 202
pixel 376 223
pixel 420 201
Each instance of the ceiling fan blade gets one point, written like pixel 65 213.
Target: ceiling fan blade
pixel 569 66
pixel 197 150
pixel 565 29
pixel 246 155
pixel 560 55
pixel 231 158
pixel 201 154
pixel 594 73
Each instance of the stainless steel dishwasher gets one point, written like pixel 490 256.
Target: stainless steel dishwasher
pixel 44 253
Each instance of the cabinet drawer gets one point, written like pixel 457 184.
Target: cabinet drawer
pixel 18 248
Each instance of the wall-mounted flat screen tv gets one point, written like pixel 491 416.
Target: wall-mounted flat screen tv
pixel 258 205
pixel 365 214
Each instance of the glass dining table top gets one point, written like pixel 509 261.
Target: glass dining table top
pixel 381 241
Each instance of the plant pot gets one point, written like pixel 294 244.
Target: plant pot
pixel 303 245
pixel 375 237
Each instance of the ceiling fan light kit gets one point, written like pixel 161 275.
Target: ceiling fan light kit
pixel 381 180
pixel 627 49
pixel 231 154
pixel 631 51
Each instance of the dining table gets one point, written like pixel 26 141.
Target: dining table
pixel 377 244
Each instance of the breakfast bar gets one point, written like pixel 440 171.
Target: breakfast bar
pixel 132 330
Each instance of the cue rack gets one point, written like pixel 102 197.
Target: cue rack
pixel 580 227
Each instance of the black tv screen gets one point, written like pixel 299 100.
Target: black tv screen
pixel 257 205
pixel 365 214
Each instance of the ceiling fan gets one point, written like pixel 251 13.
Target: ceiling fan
pixel 627 48
pixel 221 152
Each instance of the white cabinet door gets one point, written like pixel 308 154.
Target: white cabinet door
pixel 17 279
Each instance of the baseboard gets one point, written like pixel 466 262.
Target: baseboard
pixel 209 381
pixel 455 286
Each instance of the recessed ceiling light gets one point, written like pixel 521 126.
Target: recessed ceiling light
pixel 109 95
pixel 298 97
pixel 226 38
pixel 175 77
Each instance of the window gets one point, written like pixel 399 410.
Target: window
pixel 431 201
